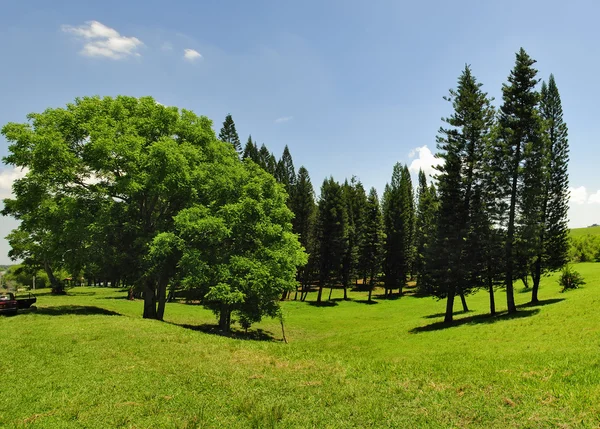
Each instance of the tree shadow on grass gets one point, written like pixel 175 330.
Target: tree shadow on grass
pixel 366 301
pixel 328 303
pixel 79 310
pixel 438 315
pixel 252 334
pixel 541 303
pixel 475 320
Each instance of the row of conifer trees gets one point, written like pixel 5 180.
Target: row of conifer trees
pixel 495 212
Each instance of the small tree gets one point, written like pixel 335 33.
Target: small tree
pixel 570 279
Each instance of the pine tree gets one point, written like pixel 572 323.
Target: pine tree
pixel 229 135
pixel 287 171
pixel 398 222
pixel 355 200
pixel 425 227
pixel 553 240
pixel 408 210
pixel 371 249
pixel 520 167
pixel 302 204
pixel 251 151
pixel 456 256
pixel 332 230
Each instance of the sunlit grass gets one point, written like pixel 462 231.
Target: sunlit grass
pixel 89 360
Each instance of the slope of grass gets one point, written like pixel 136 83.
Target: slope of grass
pixel 580 232
pixel 88 360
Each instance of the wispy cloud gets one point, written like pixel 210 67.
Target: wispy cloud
pixel 426 161
pixel 191 55
pixel 7 177
pixel 166 46
pixel 103 41
pixel 283 119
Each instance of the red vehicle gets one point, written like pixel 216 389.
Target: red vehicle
pixel 10 305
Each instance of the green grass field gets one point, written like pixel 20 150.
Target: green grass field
pixel 580 232
pixel 89 360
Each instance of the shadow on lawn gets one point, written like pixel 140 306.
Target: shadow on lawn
pixel 475 320
pixel 541 303
pixel 438 315
pixel 324 303
pixel 252 334
pixel 79 310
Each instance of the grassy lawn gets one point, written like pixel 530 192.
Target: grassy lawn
pixel 88 359
pixel 580 232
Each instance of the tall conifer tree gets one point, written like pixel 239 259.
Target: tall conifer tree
pixel 520 163
pixel 332 229
pixel 552 252
pixel 229 135
pixel 455 258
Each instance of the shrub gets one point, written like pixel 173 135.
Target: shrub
pixel 570 279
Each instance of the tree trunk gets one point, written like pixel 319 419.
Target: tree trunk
pixel 370 292
pixel 449 307
pixel 463 301
pixel 491 291
pixel 510 295
pixel 149 300
pixel 225 319
pixel 330 292
pixel 320 293
pixel 57 287
pixel 162 299
pixel 536 277
pixel 345 293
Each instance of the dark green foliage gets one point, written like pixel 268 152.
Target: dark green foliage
pixel 570 279
pixel 520 168
pixel 398 218
pixel 553 244
pixel 251 151
pixel 585 248
pixel 425 228
pixel 229 135
pixel 302 204
pixel 332 234
pixel 371 248
pixel 456 259
pixel 355 200
pixel 284 171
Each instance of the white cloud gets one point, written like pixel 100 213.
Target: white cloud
pixel 191 55
pixel 594 198
pixel 578 195
pixel 103 41
pixel 7 177
pixel 283 119
pixel 426 161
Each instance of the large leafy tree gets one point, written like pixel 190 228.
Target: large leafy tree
pixel 240 252
pixel 456 255
pixel 520 162
pixel 552 252
pixel 228 134
pixel 130 167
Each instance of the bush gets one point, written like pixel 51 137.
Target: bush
pixel 585 248
pixel 570 279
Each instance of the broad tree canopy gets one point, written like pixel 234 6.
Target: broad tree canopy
pixel 147 193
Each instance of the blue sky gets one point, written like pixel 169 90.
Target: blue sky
pixel 351 87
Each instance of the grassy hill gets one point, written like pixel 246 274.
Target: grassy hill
pixel 89 360
pixel 579 232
